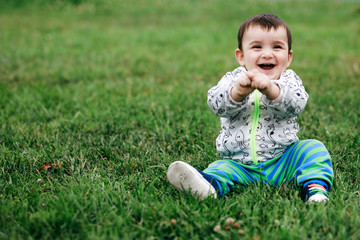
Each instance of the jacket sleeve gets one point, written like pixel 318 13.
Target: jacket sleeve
pixel 293 97
pixel 219 98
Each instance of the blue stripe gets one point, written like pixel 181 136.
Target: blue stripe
pixel 311 176
pixel 278 164
pixel 295 152
pixel 317 155
pixel 246 171
pixel 232 174
pixel 303 155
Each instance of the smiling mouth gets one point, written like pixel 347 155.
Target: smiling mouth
pixel 266 66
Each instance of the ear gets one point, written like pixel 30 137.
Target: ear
pixel 290 57
pixel 240 57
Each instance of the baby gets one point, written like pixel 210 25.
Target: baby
pixel 258 104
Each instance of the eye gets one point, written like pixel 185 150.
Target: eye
pixel 256 46
pixel 278 47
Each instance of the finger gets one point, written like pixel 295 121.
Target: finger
pixel 260 83
pixel 244 82
pixel 250 75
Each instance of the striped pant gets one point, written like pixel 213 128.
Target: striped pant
pixel 304 161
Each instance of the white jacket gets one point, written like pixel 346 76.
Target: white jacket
pixel 257 129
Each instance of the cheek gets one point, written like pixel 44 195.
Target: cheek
pixel 284 60
pixel 251 59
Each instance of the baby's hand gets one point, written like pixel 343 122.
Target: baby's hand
pixel 259 80
pixel 242 88
pixel 263 83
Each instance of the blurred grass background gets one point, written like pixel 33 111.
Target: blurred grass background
pixel 114 91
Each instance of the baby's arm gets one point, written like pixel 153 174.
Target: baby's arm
pixel 292 98
pixel 220 100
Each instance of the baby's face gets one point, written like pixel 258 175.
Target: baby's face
pixel 265 50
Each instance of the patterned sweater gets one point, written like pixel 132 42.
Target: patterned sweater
pixel 257 129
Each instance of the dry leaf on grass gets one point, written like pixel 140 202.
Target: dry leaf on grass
pixel 47 166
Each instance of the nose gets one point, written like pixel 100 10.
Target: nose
pixel 267 53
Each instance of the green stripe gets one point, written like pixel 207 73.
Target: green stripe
pixel 294 163
pixel 254 126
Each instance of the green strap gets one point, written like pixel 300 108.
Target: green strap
pixel 254 126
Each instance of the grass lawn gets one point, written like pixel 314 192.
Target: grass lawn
pixel 109 93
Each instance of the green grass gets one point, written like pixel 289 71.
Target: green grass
pixel 114 91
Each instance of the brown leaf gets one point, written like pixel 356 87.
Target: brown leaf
pixel 236 225
pixel 47 166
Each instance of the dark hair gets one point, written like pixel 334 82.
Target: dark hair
pixel 265 20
